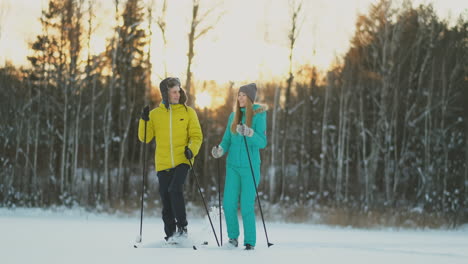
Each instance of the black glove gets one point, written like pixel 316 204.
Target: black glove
pixel 145 113
pixel 188 153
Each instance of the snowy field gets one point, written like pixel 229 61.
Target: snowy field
pixel 33 236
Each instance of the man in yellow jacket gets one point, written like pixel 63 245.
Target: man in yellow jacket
pixel 178 139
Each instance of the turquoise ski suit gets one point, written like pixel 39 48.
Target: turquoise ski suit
pixel 239 184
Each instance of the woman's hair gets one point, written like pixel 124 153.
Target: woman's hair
pixel 238 115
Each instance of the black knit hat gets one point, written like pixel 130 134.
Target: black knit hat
pixel 164 86
pixel 250 90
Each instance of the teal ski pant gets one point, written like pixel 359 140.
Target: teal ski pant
pixel 239 186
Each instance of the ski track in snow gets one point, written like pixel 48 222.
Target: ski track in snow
pixel 37 236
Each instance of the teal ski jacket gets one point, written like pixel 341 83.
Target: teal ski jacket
pixel 234 146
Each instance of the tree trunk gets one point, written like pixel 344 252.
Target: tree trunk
pixel 324 140
pixel 35 181
pixel 190 53
pixel 341 145
pixel 91 82
pixel 162 26
pixel 363 133
pixel 274 141
pixel 303 153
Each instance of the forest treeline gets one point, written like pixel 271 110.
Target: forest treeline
pixel 385 129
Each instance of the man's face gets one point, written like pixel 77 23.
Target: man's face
pixel 174 95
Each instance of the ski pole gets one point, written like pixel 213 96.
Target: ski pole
pixel 203 199
pixel 219 206
pixel 143 185
pixel 256 191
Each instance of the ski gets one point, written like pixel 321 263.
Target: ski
pixel 171 245
pixel 204 243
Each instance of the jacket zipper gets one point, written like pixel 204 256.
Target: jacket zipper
pixel 170 135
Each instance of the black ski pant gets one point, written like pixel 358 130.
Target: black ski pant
pixel 171 183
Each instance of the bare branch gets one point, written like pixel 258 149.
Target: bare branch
pixel 4 8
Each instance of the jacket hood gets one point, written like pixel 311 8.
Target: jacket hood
pixel 257 108
pixel 164 89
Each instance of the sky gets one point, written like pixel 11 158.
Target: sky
pixel 76 236
pixel 248 43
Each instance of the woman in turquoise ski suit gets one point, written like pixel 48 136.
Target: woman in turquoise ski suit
pixel 239 184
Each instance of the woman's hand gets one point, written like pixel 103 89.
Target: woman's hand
pixel 217 151
pixel 244 130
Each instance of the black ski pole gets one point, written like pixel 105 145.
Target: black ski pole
pixel 203 199
pixel 219 205
pixel 143 185
pixel 256 190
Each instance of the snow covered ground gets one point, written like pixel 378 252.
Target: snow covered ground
pixel 74 236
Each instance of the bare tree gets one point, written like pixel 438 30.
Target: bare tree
pixel 91 82
pixel 75 49
pixel 69 52
pixel 161 21
pixel 197 30
pixel 324 140
pixel 296 11
pixel 4 8
pixel 306 159
pixel 108 118
pixel 383 47
pixel 343 133
pixel 274 144
pixel 132 83
pixel 465 118
pixel 149 65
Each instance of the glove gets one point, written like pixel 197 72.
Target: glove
pixel 244 130
pixel 188 153
pixel 217 151
pixel 145 113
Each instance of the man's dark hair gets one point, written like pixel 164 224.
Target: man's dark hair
pixel 171 82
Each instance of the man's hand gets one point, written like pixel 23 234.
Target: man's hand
pixel 188 153
pixel 145 113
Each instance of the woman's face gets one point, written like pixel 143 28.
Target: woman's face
pixel 174 95
pixel 242 98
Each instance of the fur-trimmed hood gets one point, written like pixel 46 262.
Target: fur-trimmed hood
pixel 164 89
pixel 259 108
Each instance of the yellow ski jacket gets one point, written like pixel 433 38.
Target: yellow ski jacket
pixel 174 128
